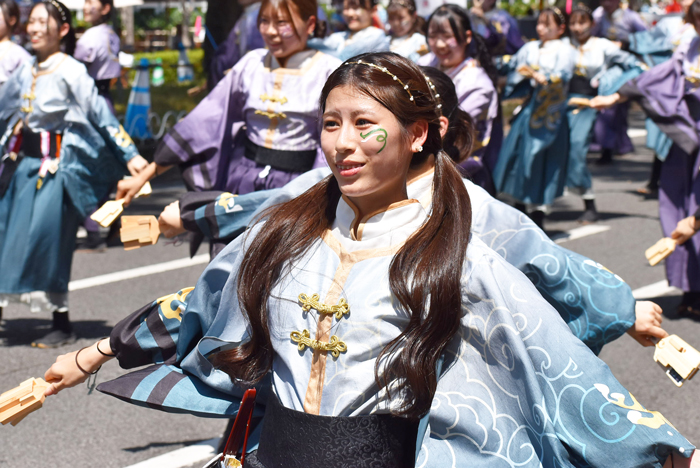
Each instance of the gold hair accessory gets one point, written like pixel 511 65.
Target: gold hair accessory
pixel 582 7
pixel 558 12
pixel 433 91
pixel 385 70
pixel 59 8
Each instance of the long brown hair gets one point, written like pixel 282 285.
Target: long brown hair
pixel 424 276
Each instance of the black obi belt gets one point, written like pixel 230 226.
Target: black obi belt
pixel 294 439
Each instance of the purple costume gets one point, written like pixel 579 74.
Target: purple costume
pixel 506 28
pixel 670 95
pixel 256 129
pixel 98 49
pixel 610 129
pixel 11 57
pixel 478 98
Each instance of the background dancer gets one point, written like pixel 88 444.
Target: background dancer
pixel 599 64
pixel 407 29
pixel 531 168
pixel 456 50
pixel 610 130
pixel 72 152
pixel 360 37
pixel 11 54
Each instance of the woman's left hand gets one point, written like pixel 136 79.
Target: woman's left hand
pixel 136 164
pixel 647 324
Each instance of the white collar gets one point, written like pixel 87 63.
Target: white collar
pixel 296 61
pixel 383 229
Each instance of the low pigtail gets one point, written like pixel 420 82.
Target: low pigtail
pixel 459 139
pixel 434 256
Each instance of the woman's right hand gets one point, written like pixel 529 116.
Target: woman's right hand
pixel 64 373
pixel 170 222
pixel 685 229
pixel 603 102
pixel 128 188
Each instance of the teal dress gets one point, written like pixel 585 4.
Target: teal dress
pixel 532 163
pixel 73 151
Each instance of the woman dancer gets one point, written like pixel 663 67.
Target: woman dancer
pixel 407 29
pixel 360 37
pixel 594 57
pixel 71 150
pixel 98 48
pixel 610 130
pixel 602 315
pixel 409 354
pixel 462 55
pixel 272 93
pixel 668 93
pixel 11 55
pixel 531 167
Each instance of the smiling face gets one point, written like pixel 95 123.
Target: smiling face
pixel 547 27
pixel 357 15
pixel 401 21
pixel 443 43
pixel 580 25
pixel 44 32
pixel 284 33
pixel 94 11
pixel 367 149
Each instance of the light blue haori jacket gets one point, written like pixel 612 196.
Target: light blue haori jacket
pixel 597 304
pixel 62 98
pixel 516 387
pixel 347 44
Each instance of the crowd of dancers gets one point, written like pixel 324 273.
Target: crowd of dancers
pixel 364 276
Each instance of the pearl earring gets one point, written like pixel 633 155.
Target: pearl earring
pixel 420 149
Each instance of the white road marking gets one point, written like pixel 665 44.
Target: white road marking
pixel 636 132
pixel 660 288
pixel 137 272
pixel 580 232
pixel 186 456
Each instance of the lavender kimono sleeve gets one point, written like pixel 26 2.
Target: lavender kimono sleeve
pixel 202 142
pixel 661 93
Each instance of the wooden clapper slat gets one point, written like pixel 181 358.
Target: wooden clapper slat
pixel 660 250
pixel 139 231
pixel 111 210
pixel 17 403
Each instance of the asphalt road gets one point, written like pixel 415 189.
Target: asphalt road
pixel 77 430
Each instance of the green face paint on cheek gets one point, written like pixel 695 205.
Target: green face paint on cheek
pixel 381 137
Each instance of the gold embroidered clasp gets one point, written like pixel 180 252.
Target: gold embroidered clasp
pixel 29 96
pixel 304 340
pixel 267 97
pixel 272 115
pixel 27 109
pixel 312 302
